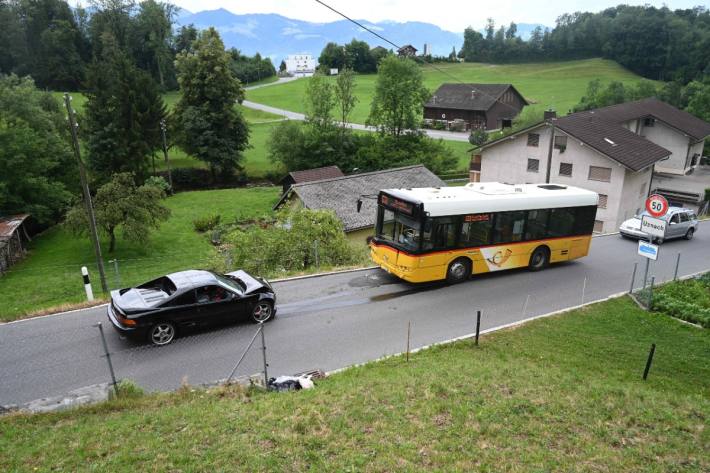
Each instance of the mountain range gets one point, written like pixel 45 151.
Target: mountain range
pixel 276 36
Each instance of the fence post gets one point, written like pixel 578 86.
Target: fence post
pixel 649 361
pixel 315 249
pixel 677 263
pixel 584 288
pixel 645 274
pixel 108 358
pixel 409 328
pixel 525 306
pixel 115 269
pixel 263 351
pixel 478 325
pixel 633 278
pixel 650 292
pixel 251 342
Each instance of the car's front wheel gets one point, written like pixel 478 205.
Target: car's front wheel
pixel 162 333
pixel 262 312
pixel 689 234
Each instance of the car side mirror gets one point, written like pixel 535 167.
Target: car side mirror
pixel 673 223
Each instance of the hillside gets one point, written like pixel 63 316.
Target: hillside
pixel 551 84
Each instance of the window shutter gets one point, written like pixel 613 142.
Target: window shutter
pixel 533 139
pixel 598 226
pixel 597 173
pixel 566 169
pixel 602 201
pixel 533 165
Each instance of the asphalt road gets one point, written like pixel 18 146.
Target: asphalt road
pixel 325 322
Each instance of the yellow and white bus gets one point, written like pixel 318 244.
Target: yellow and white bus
pixel 429 234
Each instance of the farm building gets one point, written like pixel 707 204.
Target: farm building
pixel 340 194
pixel 474 106
pixel 12 239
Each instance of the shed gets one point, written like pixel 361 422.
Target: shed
pixel 12 240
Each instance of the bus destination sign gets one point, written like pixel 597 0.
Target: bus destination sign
pixel 477 218
pixel 397 204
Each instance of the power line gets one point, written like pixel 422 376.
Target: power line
pixel 415 58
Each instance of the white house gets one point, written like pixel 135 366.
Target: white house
pixel 300 64
pixel 612 151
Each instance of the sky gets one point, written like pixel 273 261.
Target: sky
pixel 452 15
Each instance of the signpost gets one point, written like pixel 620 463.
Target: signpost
pixel 654 226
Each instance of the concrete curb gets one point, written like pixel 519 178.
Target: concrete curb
pixel 318 275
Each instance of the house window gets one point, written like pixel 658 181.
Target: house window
pixel 597 173
pixel 506 123
pixel 598 226
pixel 602 201
pixel 533 139
pixel 561 143
pixel 533 165
pixel 566 169
pixel 648 121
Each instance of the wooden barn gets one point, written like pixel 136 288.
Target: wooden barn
pixel 12 240
pixel 484 106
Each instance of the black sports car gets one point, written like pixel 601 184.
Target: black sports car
pixel 161 308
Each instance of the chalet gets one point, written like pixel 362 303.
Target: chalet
pixel 613 151
pixel 478 106
pixel 308 175
pixel 340 194
pixel 13 237
pixel 407 51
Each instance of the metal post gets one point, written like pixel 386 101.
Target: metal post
pixel 229 378
pixel 115 269
pixel 525 306
pixel 263 351
pixel 633 278
pixel 650 292
pixel 108 358
pixel 584 288
pixel 315 246
pixel 409 327
pixel 478 325
pixel 649 361
pixel 87 284
pixel 677 263
pixel 87 195
pixel 645 273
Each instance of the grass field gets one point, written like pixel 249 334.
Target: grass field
pixel 50 275
pixel 558 394
pixel 554 84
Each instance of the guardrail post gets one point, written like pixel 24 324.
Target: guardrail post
pixel 478 325
pixel 633 278
pixel 108 358
pixel 263 352
pixel 409 329
pixel 645 273
pixel 677 263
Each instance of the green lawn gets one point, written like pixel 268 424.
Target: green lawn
pixel 558 394
pixel 50 275
pixel 553 84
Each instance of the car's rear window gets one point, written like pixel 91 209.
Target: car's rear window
pixel 163 284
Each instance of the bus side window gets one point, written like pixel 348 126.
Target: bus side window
pixel 584 220
pixel 536 228
pixel 475 233
pixel 561 223
pixel 509 226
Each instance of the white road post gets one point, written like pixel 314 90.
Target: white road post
pixel 87 284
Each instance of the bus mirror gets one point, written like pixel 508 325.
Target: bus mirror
pixel 359 205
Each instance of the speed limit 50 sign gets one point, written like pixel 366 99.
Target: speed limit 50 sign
pixel 657 205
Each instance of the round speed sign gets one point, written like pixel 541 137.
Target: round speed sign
pixel 657 205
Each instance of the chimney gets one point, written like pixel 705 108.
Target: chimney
pixel 473 94
pixel 550 114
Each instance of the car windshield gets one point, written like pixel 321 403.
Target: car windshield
pixel 234 286
pixel 400 229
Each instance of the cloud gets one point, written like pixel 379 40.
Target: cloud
pixel 244 29
pixel 288 31
pixel 306 36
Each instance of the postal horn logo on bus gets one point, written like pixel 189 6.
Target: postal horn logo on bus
pixel 497 258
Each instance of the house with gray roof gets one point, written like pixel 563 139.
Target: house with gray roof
pixel 612 151
pixel 340 194
pixel 478 106
pixel 308 175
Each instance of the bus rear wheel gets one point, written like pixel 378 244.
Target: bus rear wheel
pixel 459 270
pixel 539 259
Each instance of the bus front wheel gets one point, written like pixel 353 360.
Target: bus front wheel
pixel 459 270
pixel 539 259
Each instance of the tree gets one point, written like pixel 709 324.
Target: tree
pixel 211 127
pixel 282 66
pixel 152 35
pixel 345 95
pixel 473 46
pixel 399 96
pixel 699 102
pixel 186 35
pixel 478 137
pixel 37 168
pixel 332 56
pixel 123 115
pixel 320 100
pixel 121 204
pixel 359 58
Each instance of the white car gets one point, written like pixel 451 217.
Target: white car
pixel 681 223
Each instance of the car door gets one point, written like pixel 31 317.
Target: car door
pixel 685 223
pixel 673 230
pixel 216 304
pixel 181 310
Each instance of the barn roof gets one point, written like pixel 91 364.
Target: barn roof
pixel 8 225
pixel 479 97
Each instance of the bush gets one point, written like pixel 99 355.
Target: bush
pixel 687 300
pixel 159 182
pixel 207 223
pixel 185 179
pixel 289 244
pixel 127 389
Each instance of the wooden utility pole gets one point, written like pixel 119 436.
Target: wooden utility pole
pixel 87 195
pixel 163 127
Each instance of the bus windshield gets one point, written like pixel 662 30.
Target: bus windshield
pixel 399 229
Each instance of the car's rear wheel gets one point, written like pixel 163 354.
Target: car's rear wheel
pixel 162 333
pixel 689 234
pixel 262 312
